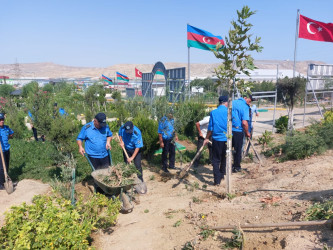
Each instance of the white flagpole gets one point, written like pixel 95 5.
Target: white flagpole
pixel 188 66
pixel 296 38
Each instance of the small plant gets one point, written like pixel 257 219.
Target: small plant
pixel 177 224
pixel 320 211
pixel 188 246
pixel 196 200
pixel 152 177
pixel 281 124
pixel 206 233
pixel 265 139
pixel 196 185
pixel 230 196
pixel 237 240
pixel 204 186
pixel 250 156
pixel 146 211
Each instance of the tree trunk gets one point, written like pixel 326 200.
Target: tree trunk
pixel 229 146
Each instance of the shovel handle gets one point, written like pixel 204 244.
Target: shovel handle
pixel 123 147
pixel 91 165
pixel 3 163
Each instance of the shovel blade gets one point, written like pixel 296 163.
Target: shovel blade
pixel 9 186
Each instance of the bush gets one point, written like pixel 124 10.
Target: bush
pixel 281 124
pixel 33 160
pixel 303 145
pixel 148 128
pixel 320 211
pixel 265 139
pixel 52 222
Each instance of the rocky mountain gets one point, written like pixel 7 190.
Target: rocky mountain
pixel 51 70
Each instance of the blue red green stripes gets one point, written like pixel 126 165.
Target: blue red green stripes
pixel 202 39
pixel 122 77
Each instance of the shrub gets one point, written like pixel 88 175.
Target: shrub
pixel 302 145
pixel 15 119
pixel 54 223
pixel 281 124
pixel 148 128
pixel 265 139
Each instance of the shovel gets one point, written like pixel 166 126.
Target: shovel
pixel 8 182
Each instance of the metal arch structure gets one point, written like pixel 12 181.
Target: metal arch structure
pixel 317 77
pixel 174 83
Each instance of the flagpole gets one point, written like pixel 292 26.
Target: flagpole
pixel 296 38
pixel 189 86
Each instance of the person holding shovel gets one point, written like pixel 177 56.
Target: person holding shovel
pixel 5 134
pixel 240 127
pixel 130 139
pixel 217 129
pixel 167 137
pixel 202 127
pixel 97 137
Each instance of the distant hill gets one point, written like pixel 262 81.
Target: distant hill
pixel 51 70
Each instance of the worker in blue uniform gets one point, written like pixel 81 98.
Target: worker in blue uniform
pixel 217 129
pixel 167 137
pixel 97 137
pixel 5 134
pixel 240 127
pixel 130 138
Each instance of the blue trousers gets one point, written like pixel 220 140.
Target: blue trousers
pixel 219 160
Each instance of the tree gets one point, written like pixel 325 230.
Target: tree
pixel 292 89
pixel 236 57
pixel 31 87
pixel 6 89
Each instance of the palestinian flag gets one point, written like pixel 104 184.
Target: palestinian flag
pixel 202 39
pixel 122 77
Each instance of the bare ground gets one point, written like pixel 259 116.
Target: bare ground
pixel 172 213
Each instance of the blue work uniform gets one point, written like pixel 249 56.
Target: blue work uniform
pixel 95 139
pixel 131 142
pixel 254 111
pixel 62 112
pixel 218 124
pixel 167 130
pixel 5 132
pixel 240 112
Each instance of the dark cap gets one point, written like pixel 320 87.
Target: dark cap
pixel 128 127
pixel 2 116
pixel 223 98
pixel 101 118
pixel 55 104
pixel 249 96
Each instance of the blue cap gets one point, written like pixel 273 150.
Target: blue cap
pixel 2 116
pixel 128 127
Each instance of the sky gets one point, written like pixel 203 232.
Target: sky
pixel 103 33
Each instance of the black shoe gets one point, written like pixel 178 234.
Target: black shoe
pixel 236 170
pixel 172 167
pixel 165 170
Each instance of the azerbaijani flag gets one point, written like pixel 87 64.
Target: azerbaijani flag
pixel 122 77
pixel 107 79
pixel 202 39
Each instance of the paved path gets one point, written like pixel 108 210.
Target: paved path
pixel 265 119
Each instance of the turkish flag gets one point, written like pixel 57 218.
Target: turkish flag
pixel 314 30
pixel 138 73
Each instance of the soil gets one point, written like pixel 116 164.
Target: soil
pixel 173 212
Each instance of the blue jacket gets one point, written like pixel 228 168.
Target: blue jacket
pixel 166 128
pixel 5 132
pixel 95 139
pixel 240 112
pixel 218 123
pixel 131 141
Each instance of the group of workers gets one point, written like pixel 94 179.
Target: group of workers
pixel 97 136
pixel 216 126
